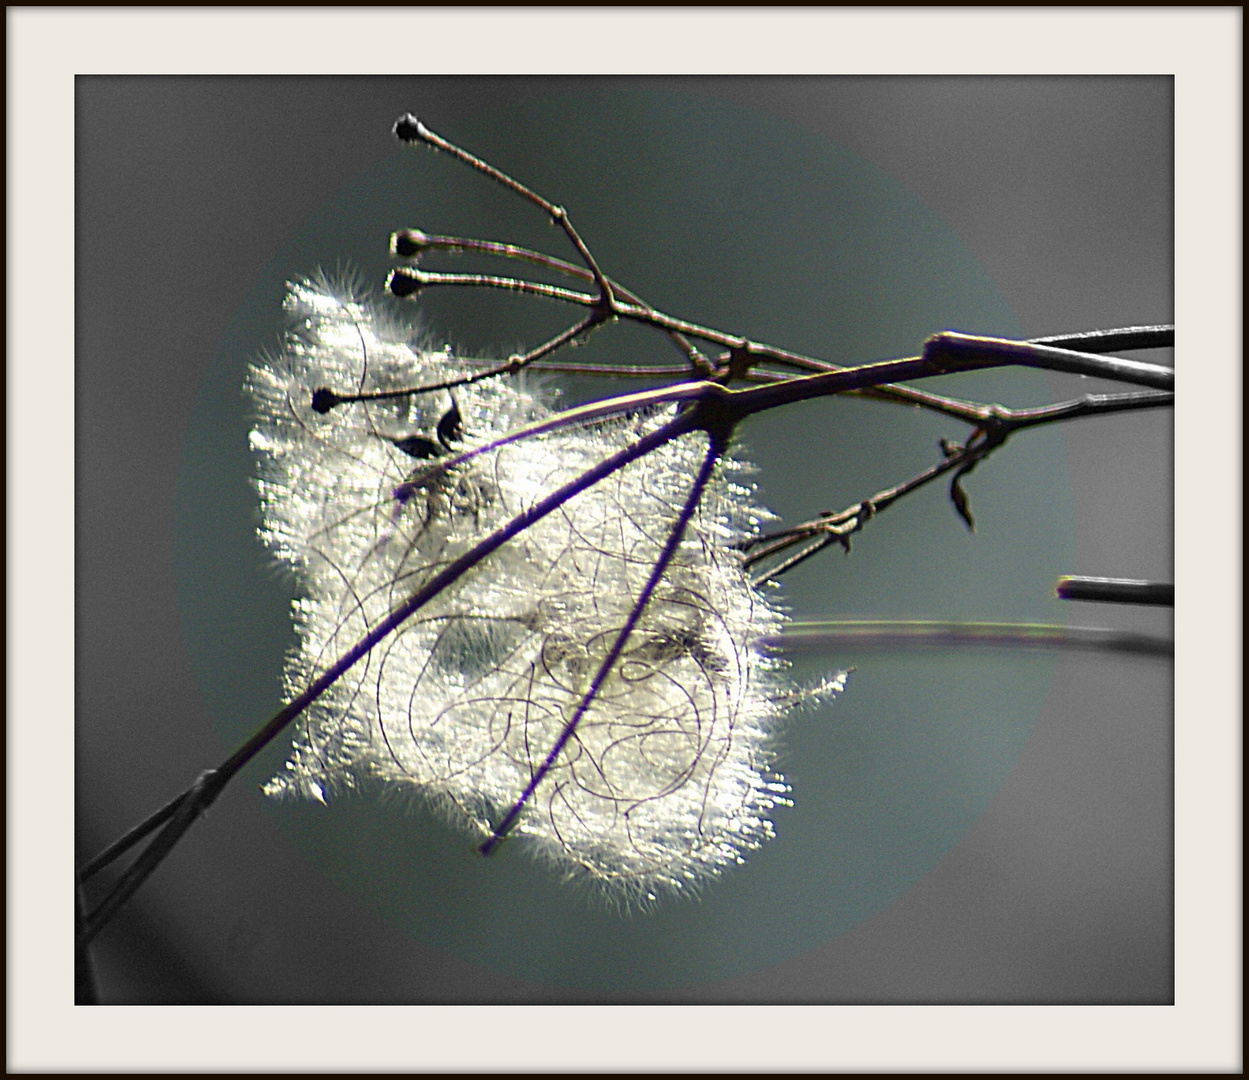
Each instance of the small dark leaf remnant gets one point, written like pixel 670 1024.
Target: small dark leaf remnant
pixel 451 426
pixel 958 495
pixel 417 446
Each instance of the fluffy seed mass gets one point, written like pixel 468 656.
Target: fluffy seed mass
pixel 667 778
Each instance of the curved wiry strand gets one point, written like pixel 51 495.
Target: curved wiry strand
pixel 667 775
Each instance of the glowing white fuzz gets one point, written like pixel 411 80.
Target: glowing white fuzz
pixel 667 777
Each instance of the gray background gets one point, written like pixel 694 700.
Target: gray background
pixel 189 187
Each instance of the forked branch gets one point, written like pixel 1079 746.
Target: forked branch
pixel 707 403
pixel 990 433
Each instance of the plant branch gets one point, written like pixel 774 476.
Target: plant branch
pixel 1116 591
pixel 947 351
pixel 189 806
pixel 86 991
pixel 1125 339
pixel 802 637
pixel 956 351
pixel 411 243
pixel 412 280
pixel 196 799
pixel 409 129
pixel 743 354
pixel 711 407
pixel 706 405
pixel 714 451
pixel 616 371
pixel 324 399
pixel 997 425
pixel 120 846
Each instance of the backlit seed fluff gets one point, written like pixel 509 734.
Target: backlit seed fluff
pixel 668 778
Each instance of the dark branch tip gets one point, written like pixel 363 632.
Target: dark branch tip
pixel 499 834
pixel 405 282
pixel 409 129
pixel 408 243
pixel 324 400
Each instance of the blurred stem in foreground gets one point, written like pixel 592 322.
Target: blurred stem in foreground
pixel 890 635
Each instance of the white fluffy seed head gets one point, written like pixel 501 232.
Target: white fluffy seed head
pixel 667 779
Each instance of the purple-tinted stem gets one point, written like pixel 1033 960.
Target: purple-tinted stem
pixel 943 354
pixel 191 804
pixel 596 410
pixel 449 574
pixel 741 403
pixel 714 451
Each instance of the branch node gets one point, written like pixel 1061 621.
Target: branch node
pixel 715 414
pixel 742 357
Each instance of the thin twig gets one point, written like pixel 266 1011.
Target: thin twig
pixel 614 371
pixel 190 806
pixel 411 243
pixel 86 991
pixel 660 567
pixel 1125 339
pixel 412 280
pixel 993 432
pixel 954 351
pixel 892 634
pixel 192 803
pixel 1116 591
pixel 705 405
pixel 410 129
pixel 949 351
pixel 121 846
pixel 742 353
